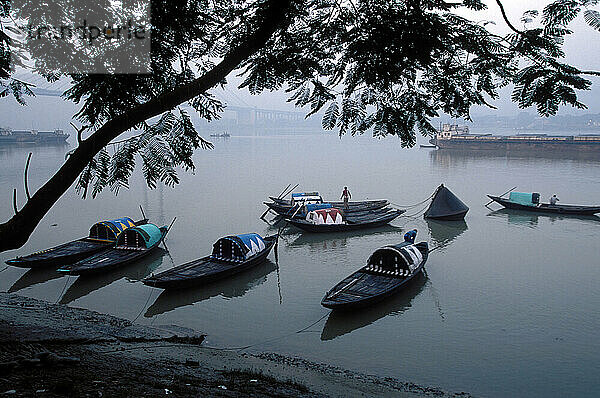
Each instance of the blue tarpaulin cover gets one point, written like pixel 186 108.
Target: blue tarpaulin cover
pixel 521 198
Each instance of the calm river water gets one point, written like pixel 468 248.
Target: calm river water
pixel 510 305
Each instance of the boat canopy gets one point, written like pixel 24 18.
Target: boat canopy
pixel 445 204
pixel 110 229
pixel 318 206
pixel 238 247
pixel 404 256
pixel 306 197
pixel 523 198
pixel 325 216
pixel 142 237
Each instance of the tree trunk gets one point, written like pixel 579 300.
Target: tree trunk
pixel 15 232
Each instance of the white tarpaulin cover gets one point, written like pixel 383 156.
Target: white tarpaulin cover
pixel 325 216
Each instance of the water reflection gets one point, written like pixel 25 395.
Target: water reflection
pixel 33 277
pixel 23 150
pixel 445 232
pixel 236 286
pixel 452 157
pixel 530 219
pixel 86 284
pixel 341 323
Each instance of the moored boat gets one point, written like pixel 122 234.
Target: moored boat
pixel 333 220
pixel 230 255
pixel 133 244
pixel 102 235
pixel 530 202
pixel 388 270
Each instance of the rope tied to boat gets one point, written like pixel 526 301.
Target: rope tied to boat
pixel 416 204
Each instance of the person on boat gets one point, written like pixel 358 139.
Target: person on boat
pixel 553 200
pixel 410 236
pixel 346 195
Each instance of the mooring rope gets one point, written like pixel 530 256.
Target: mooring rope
pixel 63 289
pixel 5 268
pixel 144 307
pixel 414 205
pixel 281 337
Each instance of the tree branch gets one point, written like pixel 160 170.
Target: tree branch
pixel 510 25
pixel 15 232
pixel 25 176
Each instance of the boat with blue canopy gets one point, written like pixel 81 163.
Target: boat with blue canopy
pixel 388 270
pixel 132 244
pixel 102 235
pixel 531 202
pixel 230 255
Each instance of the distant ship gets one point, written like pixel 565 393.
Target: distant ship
pixel 452 136
pixel 224 135
pixel 8 136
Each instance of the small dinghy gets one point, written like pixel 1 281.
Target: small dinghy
pixel 332 220
pixel 388 270
pixel 133 244
pixel 102 235
pixel 230 255
pixel 531 202
pixel 446 206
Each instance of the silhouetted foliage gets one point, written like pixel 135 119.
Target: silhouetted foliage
pixel 384 66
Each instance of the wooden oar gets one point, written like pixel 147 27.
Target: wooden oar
pixel 143 215
pixel 491 201
pixel 285 189
pixel 290 190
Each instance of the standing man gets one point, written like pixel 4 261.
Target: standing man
pixel 553 200
pixel 346 195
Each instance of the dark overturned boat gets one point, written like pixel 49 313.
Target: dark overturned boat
pixel 446 206
pixel 102 236
pixel 133 244
pixel 230 255
pixel 531 202
pixel 333 220
pixel 388 270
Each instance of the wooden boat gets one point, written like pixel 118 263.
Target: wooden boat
pixel 133 244
pixel 231 254
pixel 236 286
pixel 353 207
pixel 339 323
pixel 102 235
pixel 388 270
pixel 372 220
pixel 545 207
pixel 428 146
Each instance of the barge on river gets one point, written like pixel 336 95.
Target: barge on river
pixel 32 137
pixel 457 137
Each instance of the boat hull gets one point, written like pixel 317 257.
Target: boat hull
pixel 321 228
pixel 380 286
pixel 549 209
pixel 109 259
pixel 173 278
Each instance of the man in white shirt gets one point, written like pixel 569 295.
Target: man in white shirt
pixel 553 200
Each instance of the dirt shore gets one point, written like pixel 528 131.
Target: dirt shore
pixel 50 350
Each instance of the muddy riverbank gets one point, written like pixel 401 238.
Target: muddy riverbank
pixel 55 350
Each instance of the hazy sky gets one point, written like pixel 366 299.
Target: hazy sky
pixel 581 49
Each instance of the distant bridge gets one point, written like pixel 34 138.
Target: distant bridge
pixel 244 113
